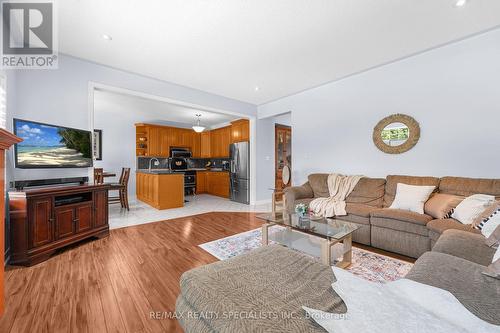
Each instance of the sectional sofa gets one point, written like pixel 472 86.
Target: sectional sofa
pixel 394 230
pixel 264 290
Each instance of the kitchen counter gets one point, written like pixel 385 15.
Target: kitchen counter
pixel 161 189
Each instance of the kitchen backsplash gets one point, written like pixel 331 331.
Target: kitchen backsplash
pixel 143 162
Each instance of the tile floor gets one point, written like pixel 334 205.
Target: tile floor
pixel 141 213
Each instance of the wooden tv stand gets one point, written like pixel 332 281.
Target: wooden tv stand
pixel 46 219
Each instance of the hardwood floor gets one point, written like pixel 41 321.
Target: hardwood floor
pixel 113 284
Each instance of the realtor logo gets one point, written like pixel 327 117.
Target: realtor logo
pixel 29 34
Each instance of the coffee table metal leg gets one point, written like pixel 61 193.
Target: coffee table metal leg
pixel 326 254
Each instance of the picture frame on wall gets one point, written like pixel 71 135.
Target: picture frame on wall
pixel 97 145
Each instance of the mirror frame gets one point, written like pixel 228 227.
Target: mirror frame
pixel 412 125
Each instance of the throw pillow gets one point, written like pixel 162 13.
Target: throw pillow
pixel 469 209
pixel 493 270
pixel 486 214
pixel 490 223
pixel 494 238
pixel 411 197
pixel 440 205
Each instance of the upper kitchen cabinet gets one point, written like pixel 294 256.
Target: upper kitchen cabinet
pixel 240 130
pixel 205 144
pixel 220 139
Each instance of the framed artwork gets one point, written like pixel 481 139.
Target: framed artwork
pixel 97 145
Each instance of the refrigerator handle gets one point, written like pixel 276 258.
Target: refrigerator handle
pixel 232 166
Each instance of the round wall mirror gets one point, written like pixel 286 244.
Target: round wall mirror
pixel 285 175
pixel 396 134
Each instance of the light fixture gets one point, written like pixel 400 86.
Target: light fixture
pixel 460 3
pixel 257 88
pixel 198 128
pixel 107 37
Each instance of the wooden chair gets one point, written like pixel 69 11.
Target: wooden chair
pixel 98 175
pixel 122 188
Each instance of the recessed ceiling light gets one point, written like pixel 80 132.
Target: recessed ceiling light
pixel 107 37
pixel 460 3
pixel 257 88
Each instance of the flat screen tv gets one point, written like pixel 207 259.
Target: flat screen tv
pixel 51 146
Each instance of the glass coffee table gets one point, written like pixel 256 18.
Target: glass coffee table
pixel 330 231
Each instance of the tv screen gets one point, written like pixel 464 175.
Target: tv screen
pixel 51 146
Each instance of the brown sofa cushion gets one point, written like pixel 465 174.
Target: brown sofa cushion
pixel 465 245
pixel 402 215
pixel 441 204
pixel 368 191
pixel 440 225
pixel 464 279
pixel 319 184
pixel 401 220
pixel 360 209
pixel 393 180
pixel 469 186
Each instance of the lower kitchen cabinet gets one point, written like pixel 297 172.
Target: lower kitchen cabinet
pixel 213 182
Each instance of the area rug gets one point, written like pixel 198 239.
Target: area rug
pixel 368 265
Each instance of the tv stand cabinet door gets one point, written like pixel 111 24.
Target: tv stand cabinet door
pixel 65 222
pixel 84 218
pixel 101 208
pixel 41 222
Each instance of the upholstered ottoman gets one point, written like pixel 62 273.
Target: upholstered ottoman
pixel 263 290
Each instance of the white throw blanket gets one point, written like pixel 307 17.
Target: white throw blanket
pixel 339 187
pixel 395 307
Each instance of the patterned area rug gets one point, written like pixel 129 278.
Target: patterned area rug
pixel 368 265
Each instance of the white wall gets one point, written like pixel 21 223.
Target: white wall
pixel 453 92
pixel 265 153
pixel 61 97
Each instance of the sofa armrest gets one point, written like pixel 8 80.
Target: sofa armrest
pixel 295 193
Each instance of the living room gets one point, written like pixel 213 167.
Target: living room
pixel 372 169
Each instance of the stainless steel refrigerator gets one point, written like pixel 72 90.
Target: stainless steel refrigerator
pixel 240 172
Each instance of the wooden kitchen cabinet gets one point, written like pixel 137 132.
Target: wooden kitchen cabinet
pixel 213 182
pixel 220 139
pixel 162 191
pixel 240 130
pixel 205 144
pixel 201 182
pixel 156 140
pixel 218 184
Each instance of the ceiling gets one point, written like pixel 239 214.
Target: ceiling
pixel 156 112
pixel 230 47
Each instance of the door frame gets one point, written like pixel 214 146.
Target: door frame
pixel 92 86
pixel 276 126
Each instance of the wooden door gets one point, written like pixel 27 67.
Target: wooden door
pixel 84 217
pixel 41 222
pixel 283 154
pixel 205 144
pixel 101 208
pixel 65 218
